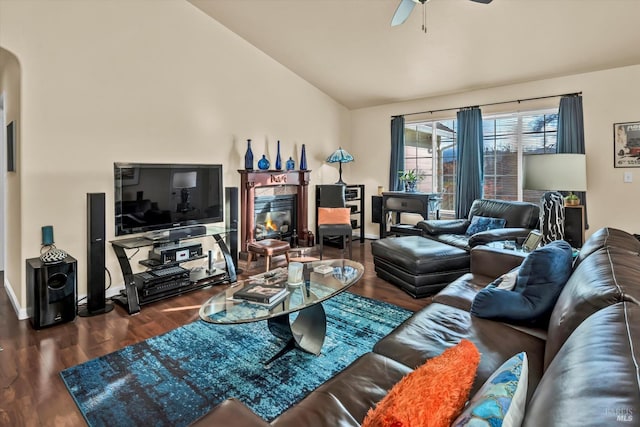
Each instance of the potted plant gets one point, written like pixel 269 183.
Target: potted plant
pixel 571 200
pixel 410 178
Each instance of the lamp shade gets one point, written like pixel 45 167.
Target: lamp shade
pixel 340 156
pixel 184 179
pixel 557 172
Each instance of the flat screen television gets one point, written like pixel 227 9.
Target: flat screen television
pixel 151 197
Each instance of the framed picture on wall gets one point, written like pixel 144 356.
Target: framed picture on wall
pixel 11 147
pixel 626 145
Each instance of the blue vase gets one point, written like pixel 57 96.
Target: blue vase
pixel 248 157
pixel 411 186
pixel 291 165
pixel 278 159
pixel 263 163
pixel 303 159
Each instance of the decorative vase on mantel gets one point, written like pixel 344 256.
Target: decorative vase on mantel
pixel 278 159
pixel 248 157
pixel 303 159
pixel 263 163
pixel 291 165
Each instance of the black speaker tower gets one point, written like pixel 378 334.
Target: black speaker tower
pixel 96 300
pixel 231 214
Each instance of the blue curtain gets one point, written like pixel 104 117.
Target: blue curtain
pixel 571 134
pixel 397 152
pixel 570 125
pixel 470 160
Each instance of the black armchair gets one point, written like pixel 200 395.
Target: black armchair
pixel 520 218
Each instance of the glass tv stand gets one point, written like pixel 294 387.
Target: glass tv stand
pixel 164 277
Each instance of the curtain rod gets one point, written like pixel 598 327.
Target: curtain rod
pixel 492 103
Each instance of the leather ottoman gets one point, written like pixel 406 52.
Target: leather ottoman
pixel 418 265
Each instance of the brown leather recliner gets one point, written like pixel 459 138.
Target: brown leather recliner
pixel 422 265
pixel 521 218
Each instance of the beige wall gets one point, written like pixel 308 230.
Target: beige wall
pixel 141 81
pixel 609 97
pixel 10 87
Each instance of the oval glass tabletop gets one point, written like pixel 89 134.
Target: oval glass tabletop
pixel 322 280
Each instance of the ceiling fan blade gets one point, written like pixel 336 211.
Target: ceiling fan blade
pixel 483 1
pixel 402 12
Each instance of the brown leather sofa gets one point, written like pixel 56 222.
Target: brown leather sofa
pixel 583 370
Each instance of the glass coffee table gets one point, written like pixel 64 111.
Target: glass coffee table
pixel 304 253
pixel 298 317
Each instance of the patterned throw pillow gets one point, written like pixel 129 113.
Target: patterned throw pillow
pixel 483 223
pixel 433 394
pixel 501 399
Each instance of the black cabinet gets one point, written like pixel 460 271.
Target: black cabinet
pixel 355 200
pixel 398 202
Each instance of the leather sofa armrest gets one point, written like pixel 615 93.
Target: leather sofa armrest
pixel 230 413
pixel 494 262
pixel 443 226
pixel 516 234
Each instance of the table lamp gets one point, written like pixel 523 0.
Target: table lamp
pixel 553 173
pixel 340 156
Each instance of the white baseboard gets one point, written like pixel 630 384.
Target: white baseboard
pixel 21 313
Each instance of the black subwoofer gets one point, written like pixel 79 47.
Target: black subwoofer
pixel 51 292
pixel 376 209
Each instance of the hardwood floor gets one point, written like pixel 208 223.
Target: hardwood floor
pixel 33 394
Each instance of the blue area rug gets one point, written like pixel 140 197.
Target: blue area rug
pixel 174 378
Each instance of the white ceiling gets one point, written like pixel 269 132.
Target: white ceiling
pixel 348 49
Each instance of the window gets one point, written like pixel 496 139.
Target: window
pixel 432 153
pixel 430 147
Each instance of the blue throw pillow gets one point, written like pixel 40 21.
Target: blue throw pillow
pixel 483 223
pixel 541 278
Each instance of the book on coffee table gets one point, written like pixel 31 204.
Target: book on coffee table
pixel 261 293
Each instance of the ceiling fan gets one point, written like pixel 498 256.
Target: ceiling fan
pixel 406 6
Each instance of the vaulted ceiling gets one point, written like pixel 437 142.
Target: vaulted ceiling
pixel 348 49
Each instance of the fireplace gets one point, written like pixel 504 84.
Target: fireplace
pixel 275 216
pixel 285 187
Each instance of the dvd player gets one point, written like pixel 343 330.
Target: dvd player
pixel 175 253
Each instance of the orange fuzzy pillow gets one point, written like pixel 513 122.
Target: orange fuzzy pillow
pixel 432 395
